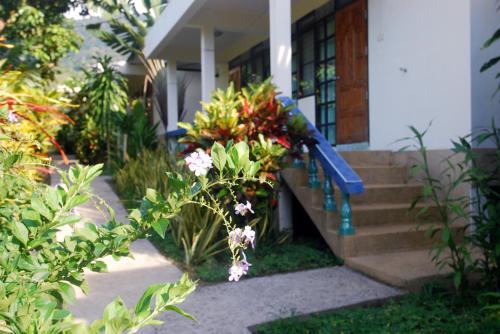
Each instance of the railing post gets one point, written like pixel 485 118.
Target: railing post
pixel 329 203
pixel 298 163
pixel 346 227
pixel 313 173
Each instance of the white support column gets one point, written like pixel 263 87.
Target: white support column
pixel 172 95
pixel 280 31
pixel 207 62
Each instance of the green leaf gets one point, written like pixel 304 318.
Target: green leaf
pixel 218 154
pixel 20 231
pixel 160 226
pixel 143 306
pixel 67 292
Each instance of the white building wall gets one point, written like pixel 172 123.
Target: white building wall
pixel 193 93
pixel 419 61
pixel 485 19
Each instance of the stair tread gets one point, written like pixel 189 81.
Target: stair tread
pixel 402 268
pixel 386 206
pixel 396 228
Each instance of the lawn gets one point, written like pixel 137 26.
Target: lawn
pixel 426 313
pixel 267 259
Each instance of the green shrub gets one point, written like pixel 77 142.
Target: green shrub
pixel 480 169
pixel 256 117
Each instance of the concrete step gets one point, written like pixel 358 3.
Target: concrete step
pixel 378 239
pixel 367 158
pixel 366 214
pixel 405 269
pixel 377 174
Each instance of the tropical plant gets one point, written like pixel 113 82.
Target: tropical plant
pixel 29 118
pixel 38 44
pixel 479 169
pixel 106 101
pixel 483 175
pixel 40 267
pixel 137 130
pixel 255 116
pixel 196 230
pixel 450 249
pixel 127 31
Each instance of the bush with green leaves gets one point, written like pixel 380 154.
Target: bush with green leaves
pixel 257 117
pixel 196 230
pixel 476 217
pixel 104 100
pixel 39 268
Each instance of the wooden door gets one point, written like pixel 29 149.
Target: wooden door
pixel 352 73
pixel 235 77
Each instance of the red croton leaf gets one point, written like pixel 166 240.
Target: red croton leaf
pixel 283 141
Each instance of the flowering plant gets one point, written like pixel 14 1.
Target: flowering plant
pixel 257 117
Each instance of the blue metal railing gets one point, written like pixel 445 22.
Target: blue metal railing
pixel 335 169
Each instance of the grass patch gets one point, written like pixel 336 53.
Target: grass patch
pixel 267 259
pixel 423 313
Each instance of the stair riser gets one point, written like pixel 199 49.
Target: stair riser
pixel 360 245
pixel 379 175
pixel 392 215
pixel 390 195
pixel 367 157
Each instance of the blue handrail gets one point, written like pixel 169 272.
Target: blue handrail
pixel 175 133
pixel 333 164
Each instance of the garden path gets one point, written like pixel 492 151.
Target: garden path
pixel 127 278
pixel 230 308
pixel 224 308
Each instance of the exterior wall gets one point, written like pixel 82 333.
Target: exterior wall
pixel 485 19
pixel 308 107
pixel 419 61
pixel 193 93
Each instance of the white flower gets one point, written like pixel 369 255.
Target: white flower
pixel 235 237
pixel 242 209
pixel 238 269
pixel 249 236
pixel 77 89
pixel 199 163
pixel 12 118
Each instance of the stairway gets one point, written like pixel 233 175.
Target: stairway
pixel 390 243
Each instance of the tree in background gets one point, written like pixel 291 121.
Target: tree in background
pixel 127 31
pixel 106 100
pixel 40 36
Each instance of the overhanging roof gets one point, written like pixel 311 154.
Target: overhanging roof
pixel 239 24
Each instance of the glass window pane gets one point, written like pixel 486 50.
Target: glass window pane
pixel 323 131
pixel 321 31
pixel 322 95
pixel 331 134
pixel 307 82
pixel 330 27
pixel 331 91
pixel 331 112
pixel 330 70
pixel 294 63
pixel 294 82
pixel 308 47
pixel 322 115
pixel 320 72
pixel 321 51
pixel 330 48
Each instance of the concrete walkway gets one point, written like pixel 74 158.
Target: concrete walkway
pixel 229 308
pixel 224 308
pixel 127 278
